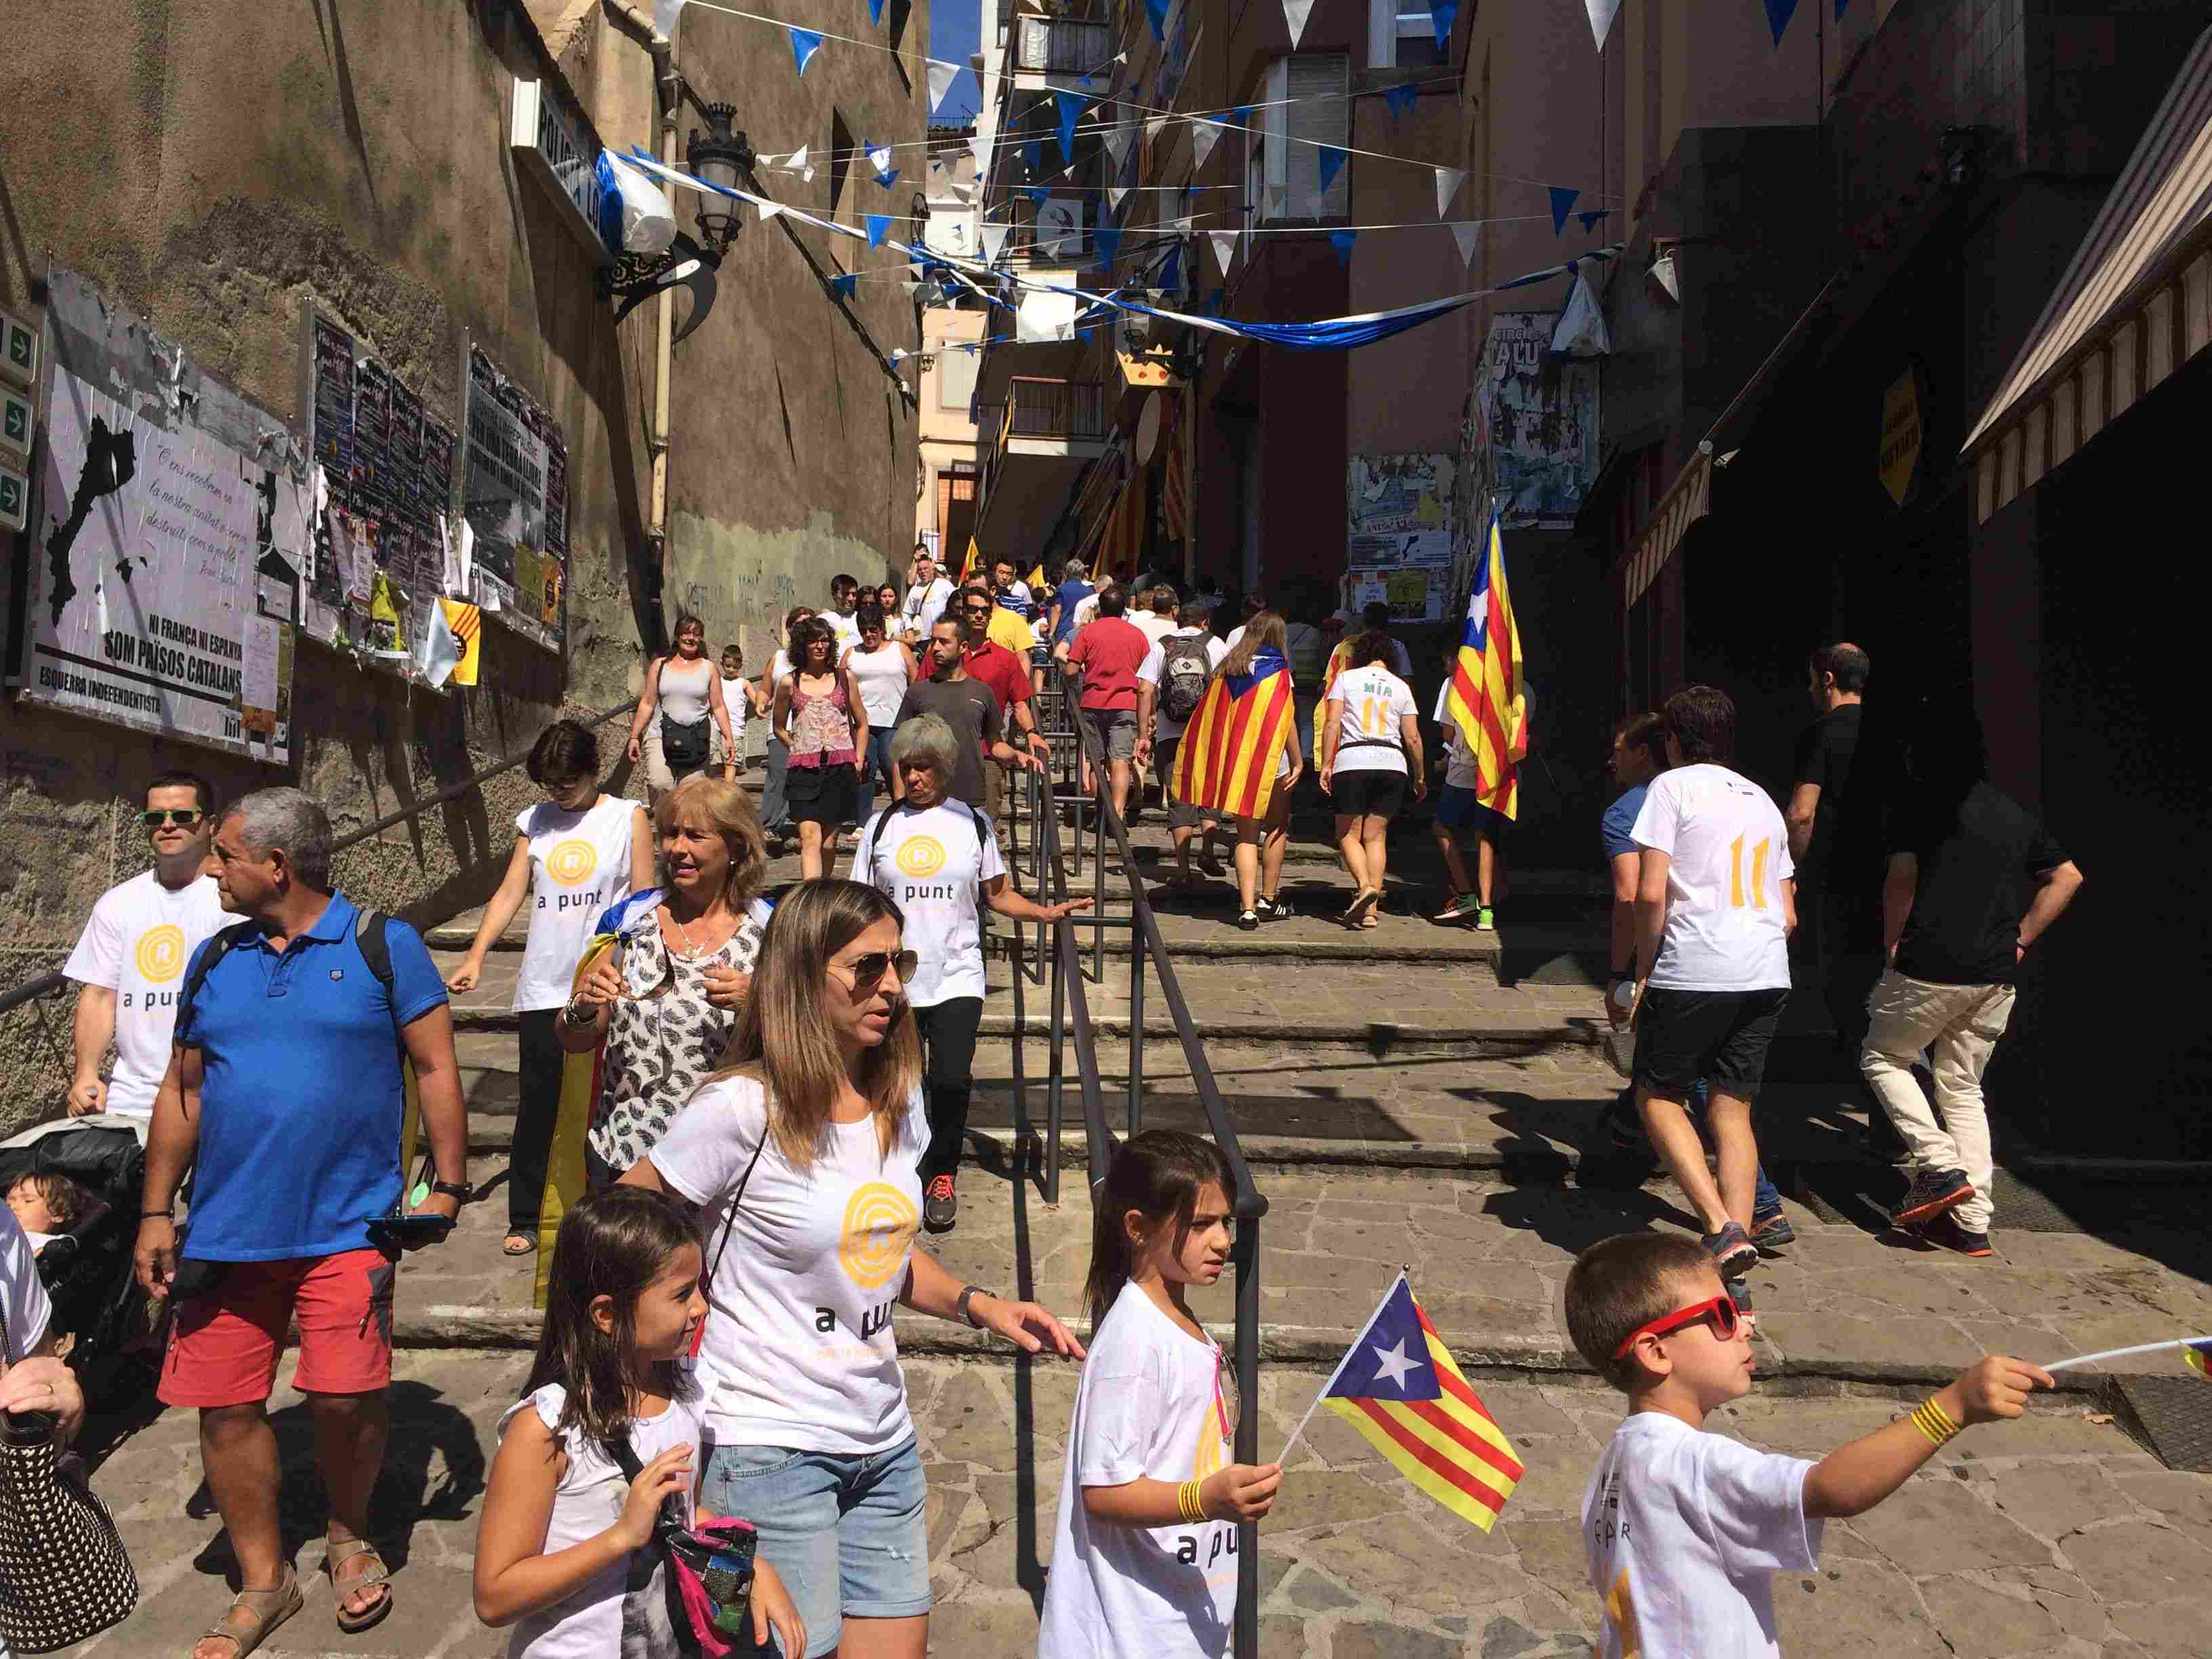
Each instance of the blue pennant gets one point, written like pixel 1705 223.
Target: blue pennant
pixel 1331 159
pixel 1842 6
pixel 1069 107
pixel 842 287
pixel 1156 10
pixel 1341 241
pixel 1217 301
pixel 1400 97
pixel 879 226
pixel 1038 195
pixel 888 177
pixel 1107 241
pixel 1033 156
pixel 1563 204
pixel 1590 220
pixel 1778 13
pixel 804 43
pixel 1171 268
pixel 1243 112
pixel 876 12
pixel 1444 13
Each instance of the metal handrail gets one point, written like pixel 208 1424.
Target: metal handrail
pixel 46 985
pixel 1247 1201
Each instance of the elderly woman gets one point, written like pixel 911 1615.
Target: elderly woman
pixel 802 1155
pixel 938 858
pixel 664 1001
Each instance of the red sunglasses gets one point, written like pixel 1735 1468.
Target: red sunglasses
pixel 1721 1310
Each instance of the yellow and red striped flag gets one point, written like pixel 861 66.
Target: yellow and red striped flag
pixel 1485 697
pixel 1227 758
pixel 970 565
pixel 2199 1355
pixel 1399 1387
pixel 1337 660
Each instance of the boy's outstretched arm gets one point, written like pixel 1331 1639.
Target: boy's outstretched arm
pixel 1853 1479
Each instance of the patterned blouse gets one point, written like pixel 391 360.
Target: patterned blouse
pixel 660 1047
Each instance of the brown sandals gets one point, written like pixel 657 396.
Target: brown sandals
pixel 269 1608
pixel 354 1623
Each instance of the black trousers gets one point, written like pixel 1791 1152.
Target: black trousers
pixel 540 1061
pixel 948 1078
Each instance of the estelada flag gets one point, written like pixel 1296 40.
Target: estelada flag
pixel 2199 1355
pixel 579 1091
pixel 969 565
pixel 466 623
pixel 1337 659
pixel 1227 758
pixel 1398 1386
pixel 1485 697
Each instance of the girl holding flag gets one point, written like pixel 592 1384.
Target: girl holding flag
pixel 1240 756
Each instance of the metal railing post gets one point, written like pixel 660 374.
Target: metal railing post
pixel 1247 1633
pixel 1055 1087
pixel 1136 1032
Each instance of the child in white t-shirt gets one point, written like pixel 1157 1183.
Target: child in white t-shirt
pixel 565 1552
pixel 1683 1530
pixel 47 1206
pixel 1143 1560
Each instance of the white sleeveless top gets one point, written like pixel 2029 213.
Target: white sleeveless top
pixel 881 677
pixel 683 696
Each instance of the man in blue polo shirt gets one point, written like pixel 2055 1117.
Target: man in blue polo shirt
pixel 286 1091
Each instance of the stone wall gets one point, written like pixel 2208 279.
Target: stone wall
pixel 214 169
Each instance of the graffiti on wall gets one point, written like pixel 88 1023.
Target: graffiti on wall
pixel 1542 417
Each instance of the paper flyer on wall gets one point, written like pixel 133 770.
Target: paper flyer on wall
pixel 515 496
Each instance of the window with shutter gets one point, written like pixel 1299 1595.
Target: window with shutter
pixel 955 378
pixel 1401 34
pixel 1307 107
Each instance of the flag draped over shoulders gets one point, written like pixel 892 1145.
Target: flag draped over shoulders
pixel 1229 750
pixel 1485 698
pixel 1338 660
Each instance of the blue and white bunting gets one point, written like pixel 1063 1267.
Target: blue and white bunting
pixel 1330 159
pixel 1778 13
pixel 1068 106
pixel 1295 14
pixel 941 75
pixel 1601 14
pixel 1449 180
pixel 804 43
pixel 1443 13
pixel 842 287
pixel 1342 241
pixel 1563 204
pixel 1400 98
pixel 879 226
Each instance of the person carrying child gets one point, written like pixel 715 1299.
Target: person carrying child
pixel 1144 1549
pixel 565 1552
pixel 1684 1530
pixel 47 1206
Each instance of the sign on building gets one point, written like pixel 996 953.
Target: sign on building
pixel 170 529
pixel 1541 413
pixel 515 493
pixel 1900 455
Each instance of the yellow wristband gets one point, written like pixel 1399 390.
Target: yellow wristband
pixel 1932 1421
pixel 1935 1407
pixel 1189 1502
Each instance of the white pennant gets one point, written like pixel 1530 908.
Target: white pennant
pixel 994 242
pixel 795 161
pixel 808 175
pixel 1224 248
pixel 941 77
pixel 911 288
pixel 768 209
pixel 1115 195
pixel 1449 180
pixel 880 158
pixel 1117 143
pixel 1183 224
pixel 1600 15
pixel 1467 232
pixel 1295 12
pixel 1204 134
pixel 1153 127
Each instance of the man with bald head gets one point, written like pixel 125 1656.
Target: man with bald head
pixel 1838 875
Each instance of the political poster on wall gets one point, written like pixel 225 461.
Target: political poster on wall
pixel 1401 509
pixel 515 495
pixel 1541 415
pixel 169 533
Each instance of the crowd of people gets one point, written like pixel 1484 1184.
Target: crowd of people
pixel 793 1077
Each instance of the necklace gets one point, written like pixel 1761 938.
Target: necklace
pixel 690 951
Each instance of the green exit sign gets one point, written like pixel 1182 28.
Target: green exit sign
pixel 15 421
pixel 14 499
pixel 19 350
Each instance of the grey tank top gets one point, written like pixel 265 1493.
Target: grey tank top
pixel 684 690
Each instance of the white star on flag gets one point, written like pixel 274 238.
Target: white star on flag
pixel 1396 1363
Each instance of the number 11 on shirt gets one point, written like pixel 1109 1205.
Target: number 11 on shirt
pixel 1758 873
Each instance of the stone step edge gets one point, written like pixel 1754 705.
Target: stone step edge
pixel 459 1326
pixel 1580 1035
pixel 1456 946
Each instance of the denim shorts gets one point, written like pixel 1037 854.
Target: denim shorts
pixel 847 1536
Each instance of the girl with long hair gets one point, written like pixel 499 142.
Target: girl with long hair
pixel 557 1553
pixel 1143 1560
pixel 775 810
pixel 804 1153
pixel 824 725
pixel 1262 842
pixel 1371 737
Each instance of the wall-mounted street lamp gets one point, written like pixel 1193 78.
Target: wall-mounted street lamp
pixel 718 156
pixel 722 157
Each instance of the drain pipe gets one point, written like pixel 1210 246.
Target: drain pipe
pixel 671 100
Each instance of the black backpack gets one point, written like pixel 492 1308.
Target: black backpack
pixel 368 932
pixel 975 819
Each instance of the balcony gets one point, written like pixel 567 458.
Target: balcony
pixel 1049 52
pixel 1035 446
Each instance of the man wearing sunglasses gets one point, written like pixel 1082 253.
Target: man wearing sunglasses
pixel 130 960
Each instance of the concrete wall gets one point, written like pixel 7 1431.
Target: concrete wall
pixel 213 170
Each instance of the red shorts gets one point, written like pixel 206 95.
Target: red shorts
pixel 223 1350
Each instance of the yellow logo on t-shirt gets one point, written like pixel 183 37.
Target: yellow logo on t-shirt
pixel 1212 1450
pixel 572 862
pixel 161 953
pixel 919 856
pixel 880 1224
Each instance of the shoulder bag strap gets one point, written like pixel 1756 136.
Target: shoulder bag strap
pixel 738 1197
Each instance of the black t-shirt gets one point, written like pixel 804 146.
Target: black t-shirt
pixel 972 711
pixel 1824 755
pixel 1978 874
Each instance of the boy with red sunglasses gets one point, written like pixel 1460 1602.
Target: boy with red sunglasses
pixel 1683 1530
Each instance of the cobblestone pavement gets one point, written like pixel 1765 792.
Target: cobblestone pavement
pixel 2054 1538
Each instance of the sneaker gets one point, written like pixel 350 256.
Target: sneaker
pixel 1739 1293
pixel 1275 910
pixel 1248 921
pixel 1463 908
pixel 1732 1251
pixel 1485 919
pixel 1946 1232
pixel 940 1205
pixel 1770 1230
pixel 1932 1192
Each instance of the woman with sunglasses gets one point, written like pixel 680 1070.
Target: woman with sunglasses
pixel 803 1153
pixel 664 1002
pixel 823 726
pixel 938 858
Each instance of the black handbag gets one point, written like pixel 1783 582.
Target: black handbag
pixel 682 747
pixel 64 1574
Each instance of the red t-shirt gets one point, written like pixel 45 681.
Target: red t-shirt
pixel 1006 675
pixel 1109 652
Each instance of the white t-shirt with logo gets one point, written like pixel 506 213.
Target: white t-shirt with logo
pixel 846 630
pixel 140 938
pixel 798 1326
pixel 1368 735
pixel 579 865
pixel 933 864
pixel 737 698
pixel 924 605
pixel 1729 855
pixel 1155 667
pixel 1149 1407
pixel 1684 1531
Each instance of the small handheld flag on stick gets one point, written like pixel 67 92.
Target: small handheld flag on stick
pixel 1398 1386
pixel 2197 1350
